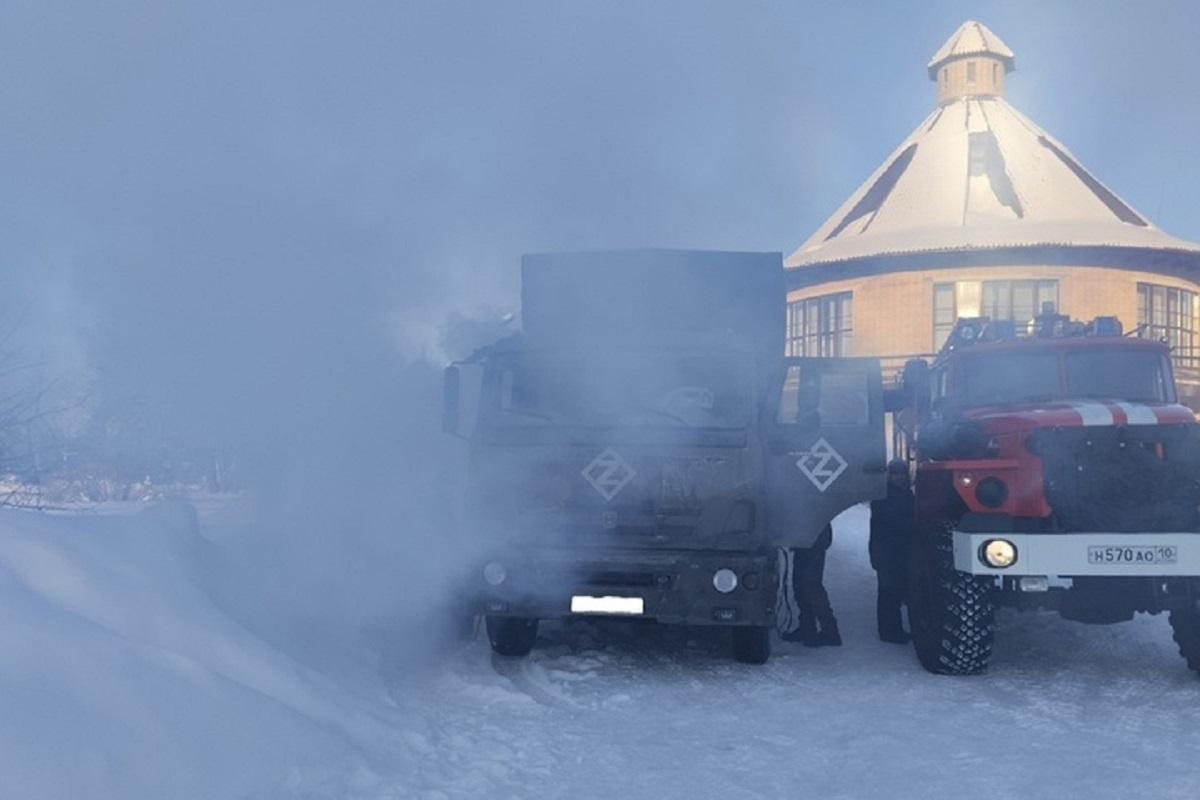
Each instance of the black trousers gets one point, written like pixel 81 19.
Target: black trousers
pixel 887 606
pixel 808 587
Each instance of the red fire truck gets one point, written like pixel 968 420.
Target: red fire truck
pixel 1054 468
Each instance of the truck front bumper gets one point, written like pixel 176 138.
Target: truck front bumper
pixel 1083 554
pixel 671 586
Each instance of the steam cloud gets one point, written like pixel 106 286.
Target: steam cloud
pixel 271 224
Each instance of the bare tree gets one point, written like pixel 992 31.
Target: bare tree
pixel 26 402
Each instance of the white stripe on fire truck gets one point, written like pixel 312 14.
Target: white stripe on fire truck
pixel 1093 413
pixel 1138 414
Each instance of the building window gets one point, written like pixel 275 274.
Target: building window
pixel 995 74
pixel 821 326
pixel 945 77
pixel 971 72
pixel 945 313
pixel 1019 301
pixel 1165 312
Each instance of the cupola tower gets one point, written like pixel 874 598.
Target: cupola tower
pixel 972 63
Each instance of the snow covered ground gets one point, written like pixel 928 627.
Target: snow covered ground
pixel 128 669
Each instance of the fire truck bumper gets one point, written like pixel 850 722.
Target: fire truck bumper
pixel 1078 554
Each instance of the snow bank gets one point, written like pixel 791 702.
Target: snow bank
pixel 129 669
pixel 120 677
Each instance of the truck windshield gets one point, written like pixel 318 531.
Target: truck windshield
pixel 643 392
pixel 1009 377
pixel 1118 374
pixel 1113 373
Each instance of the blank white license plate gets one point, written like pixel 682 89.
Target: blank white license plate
pixel 1133 554
pixel 586 604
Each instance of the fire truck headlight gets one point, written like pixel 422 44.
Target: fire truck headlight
pixel 991 492
pixel 495 573
pixel 725 580
pixel 998 553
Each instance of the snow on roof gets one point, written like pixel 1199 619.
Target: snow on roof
pixel 978 175
pixel 971 38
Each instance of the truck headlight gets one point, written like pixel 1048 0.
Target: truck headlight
pixel 725 580
pixel 998 553
pixel 495 573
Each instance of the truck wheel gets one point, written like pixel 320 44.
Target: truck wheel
pixel 512 636
pixel 1185 626
pixel 751 644
pixel 950 612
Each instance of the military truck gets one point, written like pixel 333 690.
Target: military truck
pixel 1055 469
pixel 641 447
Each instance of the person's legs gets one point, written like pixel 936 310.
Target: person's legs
pixel 817 600
pixel 799 625
pixel 887 612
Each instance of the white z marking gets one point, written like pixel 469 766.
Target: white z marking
pixel 822 464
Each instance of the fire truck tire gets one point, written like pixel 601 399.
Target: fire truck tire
pixel 751 644
pixel 512 636
pixel 1185 626
pixel 951 612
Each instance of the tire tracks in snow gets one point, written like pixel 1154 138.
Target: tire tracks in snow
pixel 529 677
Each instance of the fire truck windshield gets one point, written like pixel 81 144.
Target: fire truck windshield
pixel 1112 373
pixel 1121 374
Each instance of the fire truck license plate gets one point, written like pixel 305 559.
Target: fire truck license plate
pixel 1132 554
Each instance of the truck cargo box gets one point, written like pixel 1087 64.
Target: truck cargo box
pixel 655 297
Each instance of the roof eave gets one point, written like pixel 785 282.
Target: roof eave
pixel 1010 62
pixel 1177 262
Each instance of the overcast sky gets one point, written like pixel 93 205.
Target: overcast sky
pixel 217 205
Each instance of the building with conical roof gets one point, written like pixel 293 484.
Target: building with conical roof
pixel 980 211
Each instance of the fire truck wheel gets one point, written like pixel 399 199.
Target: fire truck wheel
pixel 751 644
pixel 512 636
pixel 950 612
pixel 1185 625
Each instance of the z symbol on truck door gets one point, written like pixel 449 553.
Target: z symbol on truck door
pixel 821 465
pixel 608 473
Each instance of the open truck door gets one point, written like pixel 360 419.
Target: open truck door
pixel 825 449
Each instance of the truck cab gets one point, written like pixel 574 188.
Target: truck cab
pixel 646 455
pixel 1054 468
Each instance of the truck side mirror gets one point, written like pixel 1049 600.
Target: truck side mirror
pixel 914 383
pixel 451 393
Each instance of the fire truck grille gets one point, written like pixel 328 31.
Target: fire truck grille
pixel 1121 478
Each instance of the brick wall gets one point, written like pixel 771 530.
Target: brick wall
pixel 893 314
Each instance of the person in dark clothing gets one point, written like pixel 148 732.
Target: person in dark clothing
pixel 892 521
pixel 805 580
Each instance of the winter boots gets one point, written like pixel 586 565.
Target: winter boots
pixel 805 632
pixel 828 637
pixel 887 613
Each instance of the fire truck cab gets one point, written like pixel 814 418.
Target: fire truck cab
pixel 1054 468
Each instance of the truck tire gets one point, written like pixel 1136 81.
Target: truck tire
pixel 951 612
pixel 512 636
pixel 1185 627
pixel 751 644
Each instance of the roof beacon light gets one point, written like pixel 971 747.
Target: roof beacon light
pixel 1106 326
pixel 1049 324
pixel 1003 329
